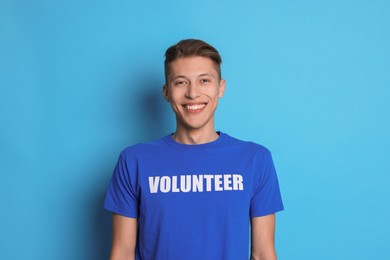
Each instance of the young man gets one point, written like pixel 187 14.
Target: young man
pixel 194 194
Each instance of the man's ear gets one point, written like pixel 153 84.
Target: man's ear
pixel 222 87
pixel 165 92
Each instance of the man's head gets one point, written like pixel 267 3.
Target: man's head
pixel 191 48
pixel 193 84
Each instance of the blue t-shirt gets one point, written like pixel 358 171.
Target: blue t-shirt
pixel 194 201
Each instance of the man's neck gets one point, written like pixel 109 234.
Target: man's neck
pixel 194 136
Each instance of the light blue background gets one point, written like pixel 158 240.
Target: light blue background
pixel 81 80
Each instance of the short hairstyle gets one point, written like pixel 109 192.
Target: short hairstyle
pixel 191 48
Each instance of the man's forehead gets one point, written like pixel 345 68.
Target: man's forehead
pixel 193 66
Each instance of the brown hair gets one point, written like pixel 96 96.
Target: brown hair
pixel 188 48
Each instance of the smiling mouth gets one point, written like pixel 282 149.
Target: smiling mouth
pixel 195 107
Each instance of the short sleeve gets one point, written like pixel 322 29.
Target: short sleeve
pixel 266 198
pixel 121 197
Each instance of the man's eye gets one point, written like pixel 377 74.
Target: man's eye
pixel 205 80
pixel 180 82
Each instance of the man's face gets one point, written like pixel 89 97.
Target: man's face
pixel 193 90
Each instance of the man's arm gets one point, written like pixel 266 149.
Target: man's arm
pixel 263 233
pixel 124 237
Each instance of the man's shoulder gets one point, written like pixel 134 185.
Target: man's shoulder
pixel 250 145
pixel 143 147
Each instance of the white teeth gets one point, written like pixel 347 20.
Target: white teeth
pixel 195 107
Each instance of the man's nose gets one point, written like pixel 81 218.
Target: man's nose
pixel 192 91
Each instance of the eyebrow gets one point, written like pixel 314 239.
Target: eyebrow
pixel 200 75
pixel 179 76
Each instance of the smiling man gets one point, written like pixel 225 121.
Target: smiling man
pixel 196 193
pixel 193 87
